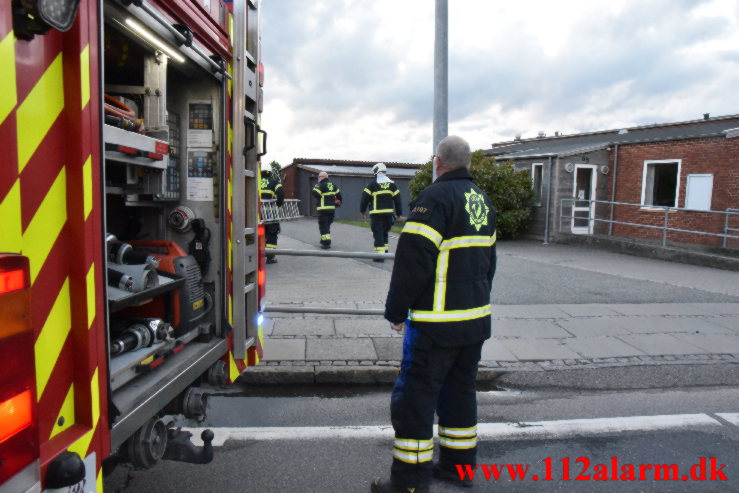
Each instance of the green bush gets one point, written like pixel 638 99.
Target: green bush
pixel 509 190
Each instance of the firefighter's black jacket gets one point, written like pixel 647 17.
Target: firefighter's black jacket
pixel 445 263
pixel 270 188
pixel 382 198
pixel 326 192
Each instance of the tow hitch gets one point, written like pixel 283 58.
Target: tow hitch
pixel 181 449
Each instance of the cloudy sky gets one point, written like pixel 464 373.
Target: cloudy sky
pixel 353 79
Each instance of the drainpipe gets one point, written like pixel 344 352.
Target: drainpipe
pixel 549 201
pixel 613 187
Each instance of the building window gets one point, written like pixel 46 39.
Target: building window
pixel 660 183
pixel 699 189
pixel 537 182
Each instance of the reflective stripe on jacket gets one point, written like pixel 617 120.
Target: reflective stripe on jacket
pixel 382 198
pixel 270 188
pixel 326 192
pixel 445 263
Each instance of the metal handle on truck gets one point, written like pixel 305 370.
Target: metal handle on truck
pixel 264 143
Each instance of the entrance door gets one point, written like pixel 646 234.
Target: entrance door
pixel 583 210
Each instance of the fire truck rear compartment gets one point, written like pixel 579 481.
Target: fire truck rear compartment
pixel 163 189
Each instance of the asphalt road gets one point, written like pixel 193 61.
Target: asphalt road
pixel 531 273
pixel 333 460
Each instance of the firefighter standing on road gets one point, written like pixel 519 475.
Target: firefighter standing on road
pixel 329 198
pixel 271 188
pixel 383 198
pixel 440 290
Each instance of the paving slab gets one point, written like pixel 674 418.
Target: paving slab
pixel 588 310
pixel 346 349
pixel 727 344
pixel 539 349
pixel 719 308
pixel 594 326
pixel 364 326
pixel 388 349
pixel 602 347
pixel 661 309
pixel 267 326
pixel 528 311
pixel 303 327
pixel 661 344
pixel 495 350
pixel 528 329
pixel 660 325
pixel 284 349
pixel 730 322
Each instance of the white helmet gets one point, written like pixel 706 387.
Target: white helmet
pixel 379 168
pixel 266 168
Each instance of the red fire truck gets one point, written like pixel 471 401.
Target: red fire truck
pixel 131 254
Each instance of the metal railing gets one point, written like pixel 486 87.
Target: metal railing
pixel 665 227
pixel 271 213
pixel 325 310
pixel 726 225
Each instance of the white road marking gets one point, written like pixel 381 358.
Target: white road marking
pixel 486 431
pixel 732 418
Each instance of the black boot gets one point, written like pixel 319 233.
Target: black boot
pixel 451 475
pixel 387 486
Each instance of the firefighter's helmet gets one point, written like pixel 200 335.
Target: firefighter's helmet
pixel 266 168
pixel 379 168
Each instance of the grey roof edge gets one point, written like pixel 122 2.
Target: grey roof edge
pixel 613 130
pixel 351 162
pixel 732 133
pixel 369 171
pixel 723 133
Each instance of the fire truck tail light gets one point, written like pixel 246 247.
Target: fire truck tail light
pixel 12 281
pixel 14 271
pixel 14 296
pixel 16 414
pixel 18 426
pixel 261 74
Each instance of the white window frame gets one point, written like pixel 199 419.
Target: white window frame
pixel 687 189
pixel 541 183
pixel 644 183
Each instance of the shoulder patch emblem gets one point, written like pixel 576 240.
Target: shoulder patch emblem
pixel 384 186
pixel 477 209
pixel 264 185
pixel 330 187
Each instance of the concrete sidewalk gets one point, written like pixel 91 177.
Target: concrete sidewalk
pixel 533 337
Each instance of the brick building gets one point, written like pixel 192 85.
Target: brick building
pixel 647 176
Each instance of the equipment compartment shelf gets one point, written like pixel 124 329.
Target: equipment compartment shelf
pixel 118 299
pixel 138 147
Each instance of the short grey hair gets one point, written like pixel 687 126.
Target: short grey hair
pixel 454 152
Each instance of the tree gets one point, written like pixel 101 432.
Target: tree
pixel 276 168
pixel 509 190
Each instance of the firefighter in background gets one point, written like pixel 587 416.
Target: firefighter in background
pixel 383 198
pixel 329 198
pixel 271 188
pixel 440 291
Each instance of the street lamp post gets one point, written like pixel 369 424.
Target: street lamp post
pixel 441 74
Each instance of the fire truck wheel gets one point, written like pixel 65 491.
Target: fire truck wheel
pixel 217 373
pixel 148 444
pixel 194 404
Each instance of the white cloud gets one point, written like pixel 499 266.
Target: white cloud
pixel 354 79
